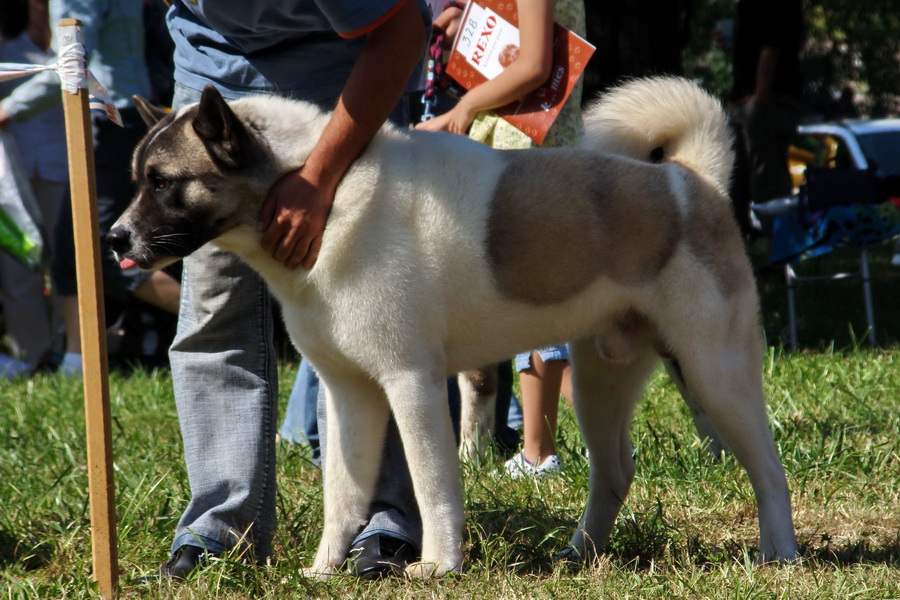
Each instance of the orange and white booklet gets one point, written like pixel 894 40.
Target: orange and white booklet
pixel 488 41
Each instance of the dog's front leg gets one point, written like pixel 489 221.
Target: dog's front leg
pixel 418 399
pixel 358 415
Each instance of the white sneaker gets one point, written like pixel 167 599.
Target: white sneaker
pixel 518 467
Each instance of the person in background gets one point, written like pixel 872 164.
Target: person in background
pixel 33 313
pixel 300 423
pixel 845 106
pixel 544 372
pixel 114 40
pixel 765 100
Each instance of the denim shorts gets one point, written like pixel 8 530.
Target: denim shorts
pixel 523 361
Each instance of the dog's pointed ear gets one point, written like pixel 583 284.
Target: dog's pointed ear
pixel 149 113
pixel 219 129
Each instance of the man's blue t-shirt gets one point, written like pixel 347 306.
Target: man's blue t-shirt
pixel 300 48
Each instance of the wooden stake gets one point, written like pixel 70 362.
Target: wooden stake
pixel 93 328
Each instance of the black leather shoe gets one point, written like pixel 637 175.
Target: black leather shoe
pixel 183 561
pixel 379 556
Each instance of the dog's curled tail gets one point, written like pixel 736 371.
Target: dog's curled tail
pixel 643 116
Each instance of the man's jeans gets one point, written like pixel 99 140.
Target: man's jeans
pixel 226 391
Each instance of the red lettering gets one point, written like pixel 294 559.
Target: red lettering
pixel 489 24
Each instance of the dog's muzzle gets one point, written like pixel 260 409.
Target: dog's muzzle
pixel 119 239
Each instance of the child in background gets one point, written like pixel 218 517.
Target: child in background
pixel 542 373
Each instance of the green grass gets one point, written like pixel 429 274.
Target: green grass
pixel 688 529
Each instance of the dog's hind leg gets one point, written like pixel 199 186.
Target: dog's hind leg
pixel 725 379
pixel 605 395
pixel 358 414
pixel 477 400
pixel 418 399
pixel 704 426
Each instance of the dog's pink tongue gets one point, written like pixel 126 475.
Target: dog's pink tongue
pixel 127 263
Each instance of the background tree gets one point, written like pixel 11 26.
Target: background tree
pixel 855 43
pixel 635 38
pixel 848 43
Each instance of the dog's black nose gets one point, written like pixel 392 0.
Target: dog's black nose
pixel 119 239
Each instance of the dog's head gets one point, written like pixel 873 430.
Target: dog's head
pixel 197 173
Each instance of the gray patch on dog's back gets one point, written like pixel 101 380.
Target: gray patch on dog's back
pixel 562 218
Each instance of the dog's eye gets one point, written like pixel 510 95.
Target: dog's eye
pixel 159 184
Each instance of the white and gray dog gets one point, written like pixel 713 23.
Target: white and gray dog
pixel 632 251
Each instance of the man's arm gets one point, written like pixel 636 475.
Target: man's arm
pixel 294 214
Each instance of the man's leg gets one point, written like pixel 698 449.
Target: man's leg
pixel 769 130
pixel 25 307
pixel 225 379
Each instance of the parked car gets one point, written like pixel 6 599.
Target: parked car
pixel 832 152
pixel 861 144
pixel 857 144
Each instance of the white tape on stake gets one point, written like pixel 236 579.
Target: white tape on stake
pixel 71 67
pixel 73 73
pixel 70 62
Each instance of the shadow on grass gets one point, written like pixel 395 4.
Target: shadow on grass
pixel 527 540
pixel 28 555
pixel 517 538
pixel 856 553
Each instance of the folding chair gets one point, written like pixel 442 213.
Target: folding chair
pixel 792 280
pixel 837 207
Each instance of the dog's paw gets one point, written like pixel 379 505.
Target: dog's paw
pixel 473 455
pixel 468 452
pixel 429 570
pixel 318 573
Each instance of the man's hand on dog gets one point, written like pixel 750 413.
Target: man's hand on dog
pixel 293 218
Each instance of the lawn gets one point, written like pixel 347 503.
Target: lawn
pixel 688 529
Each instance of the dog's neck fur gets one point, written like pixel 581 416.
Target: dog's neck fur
pixel 289 127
